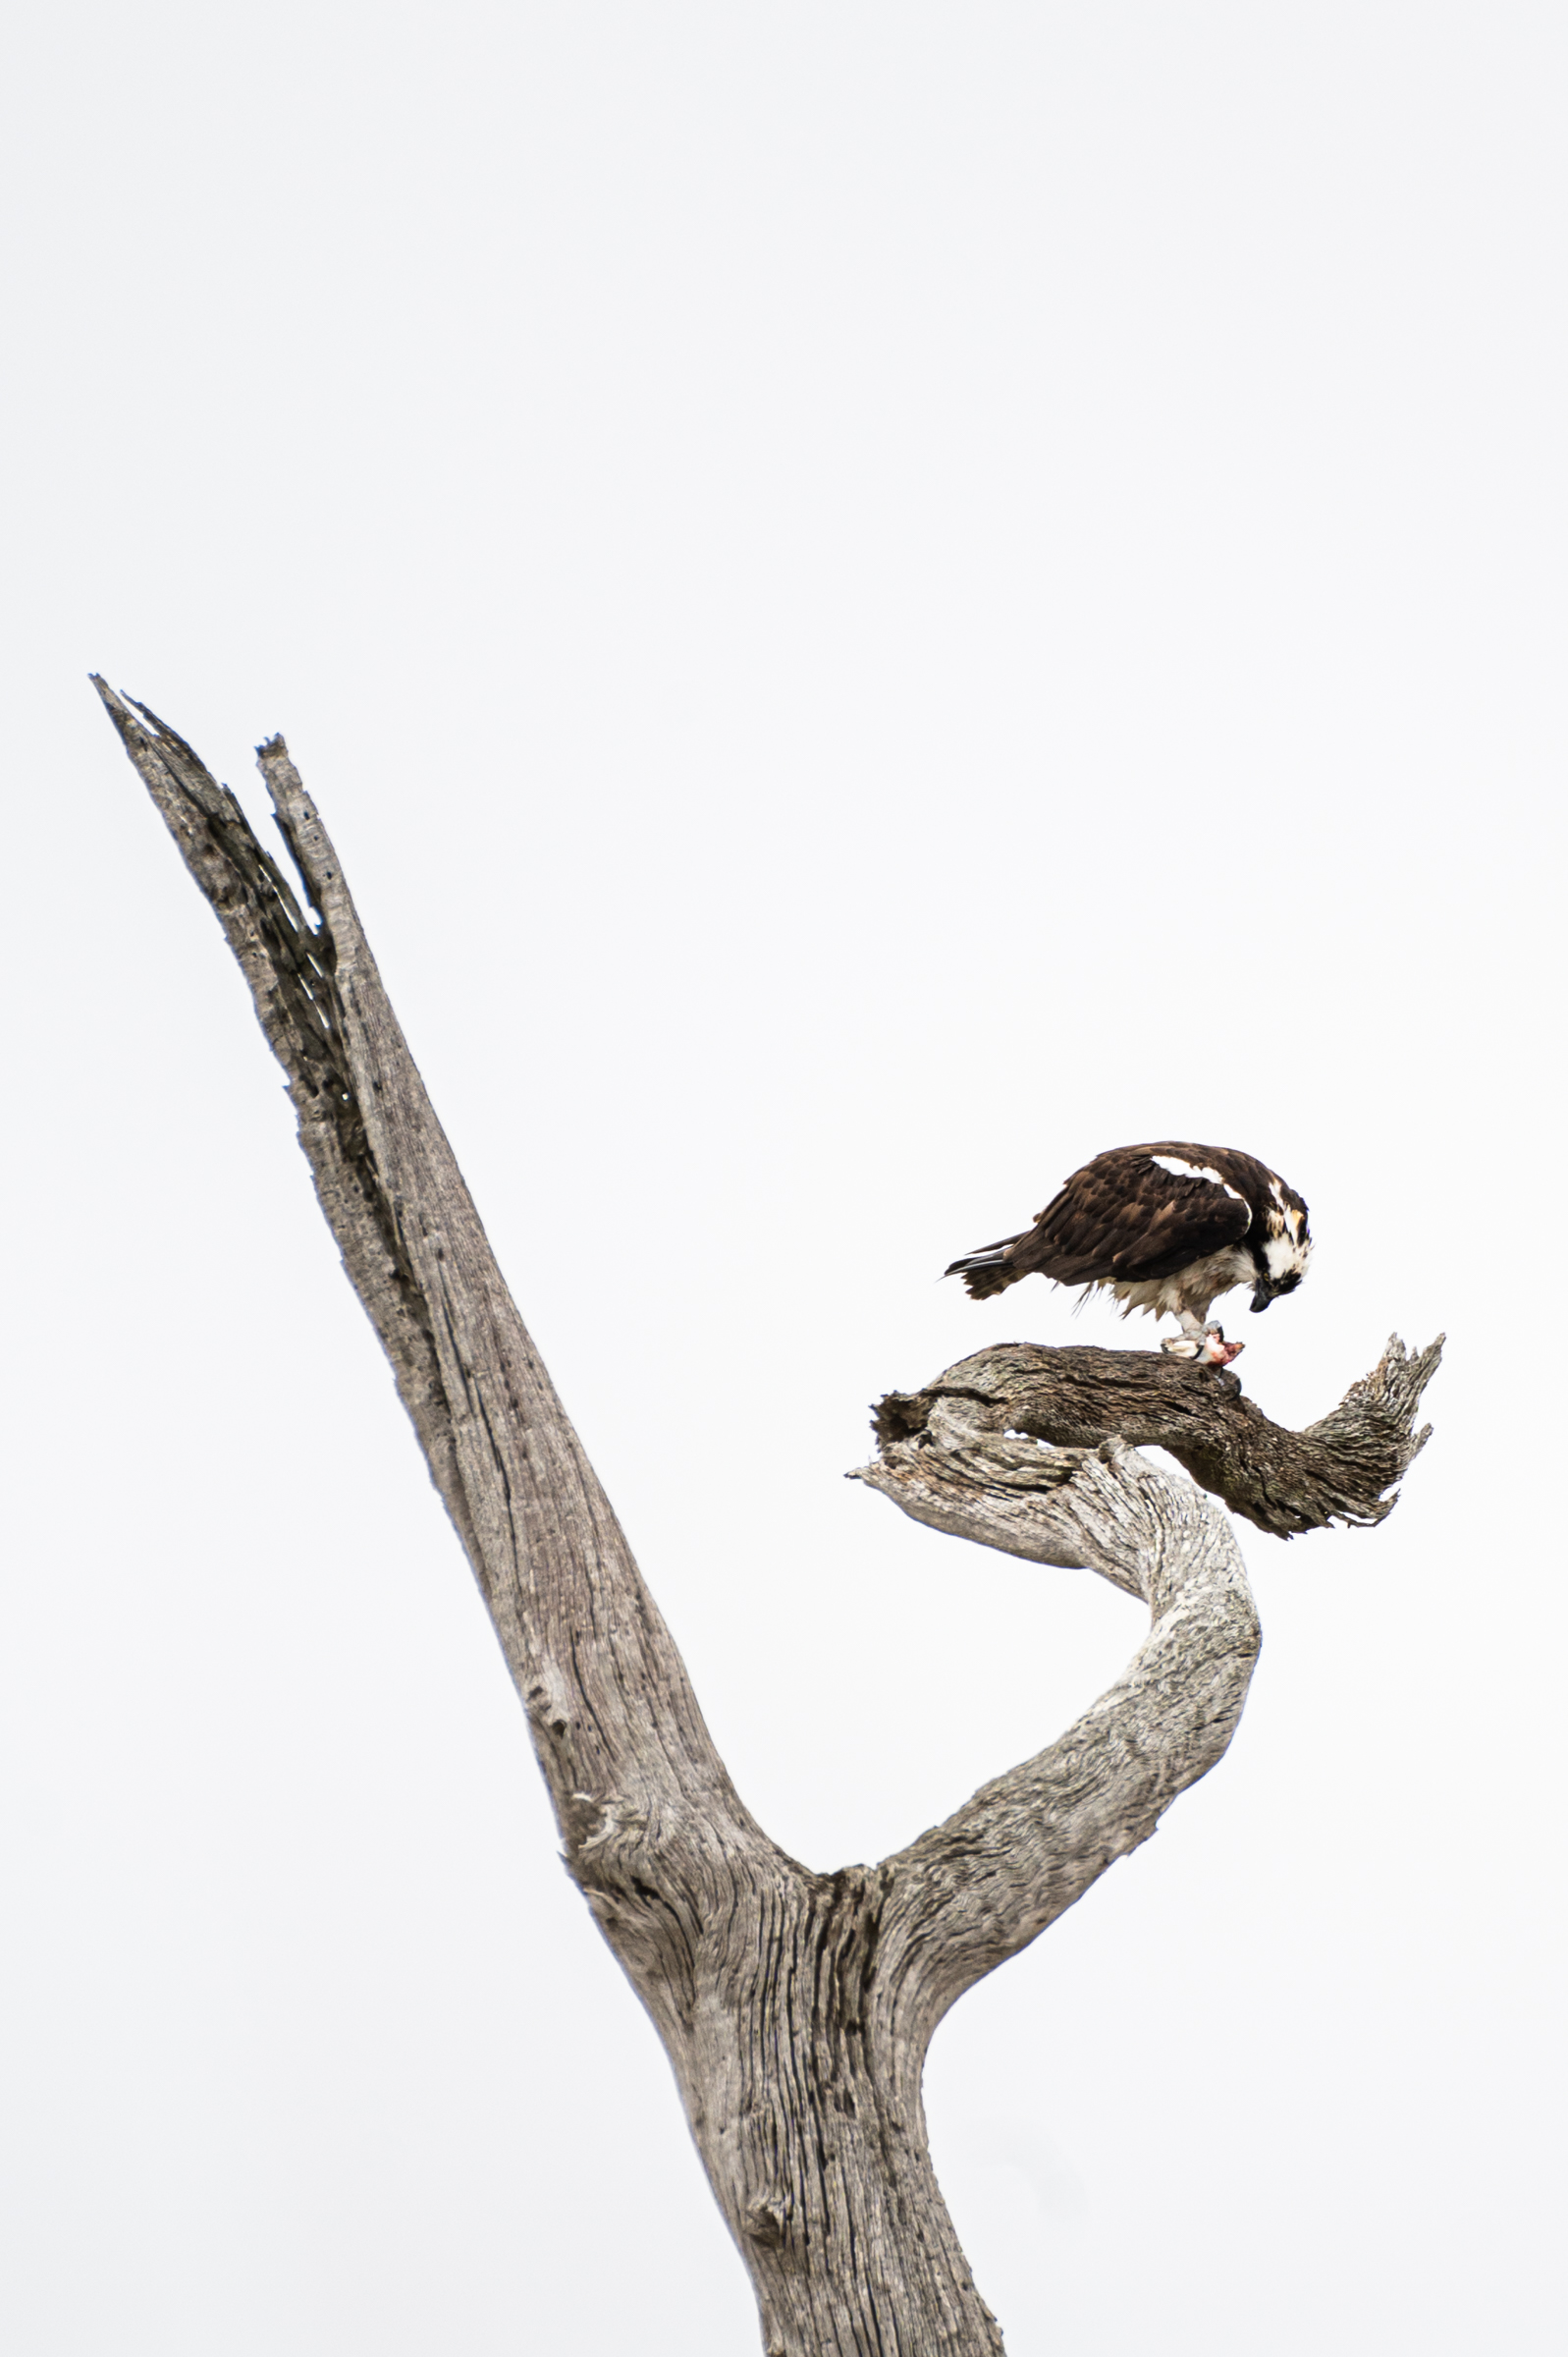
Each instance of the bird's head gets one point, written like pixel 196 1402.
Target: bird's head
pixel 1281 1257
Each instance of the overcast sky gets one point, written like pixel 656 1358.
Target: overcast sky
pixel 878 598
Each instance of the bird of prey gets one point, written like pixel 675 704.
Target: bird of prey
pixel 1164 1228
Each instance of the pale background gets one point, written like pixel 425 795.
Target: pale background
pixel 878 598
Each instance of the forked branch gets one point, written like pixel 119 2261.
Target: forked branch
pixel 796 2006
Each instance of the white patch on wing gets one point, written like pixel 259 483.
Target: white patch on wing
pixel 1194 1169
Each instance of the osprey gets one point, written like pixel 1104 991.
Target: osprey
pixel 1164 1228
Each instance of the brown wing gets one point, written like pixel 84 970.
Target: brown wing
pixel 1125 1216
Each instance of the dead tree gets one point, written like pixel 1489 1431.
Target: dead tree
pixel 796 2007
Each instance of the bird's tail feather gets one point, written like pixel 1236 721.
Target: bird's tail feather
pixel 988 1270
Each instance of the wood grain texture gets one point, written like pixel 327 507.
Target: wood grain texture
pixel 797 2007
pixel 1337 1470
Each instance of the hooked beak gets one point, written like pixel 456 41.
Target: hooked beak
pixel 1261 1297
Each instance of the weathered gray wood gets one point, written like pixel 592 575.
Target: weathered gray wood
pixel 797 2007
pixel 1337 1470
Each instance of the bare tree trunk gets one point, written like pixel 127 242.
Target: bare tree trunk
pixel 796 2007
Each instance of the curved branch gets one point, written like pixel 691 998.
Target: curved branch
pixel 975 1889
pixel 1337 1470
pixel 1002 1449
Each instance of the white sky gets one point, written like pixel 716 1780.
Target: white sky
pixel 878 598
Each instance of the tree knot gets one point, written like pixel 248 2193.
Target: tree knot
pixel 764 2219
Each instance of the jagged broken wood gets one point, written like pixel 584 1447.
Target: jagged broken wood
pixel 966 1446
pixel 797 2007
